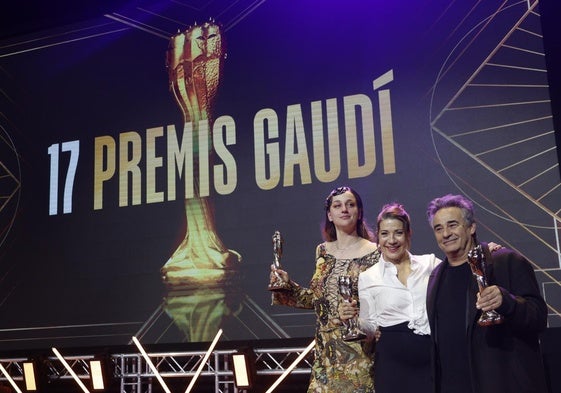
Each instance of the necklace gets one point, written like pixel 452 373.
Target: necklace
pixel 347 247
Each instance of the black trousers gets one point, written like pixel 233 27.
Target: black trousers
pixel 402 361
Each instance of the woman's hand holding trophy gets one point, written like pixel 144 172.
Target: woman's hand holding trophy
pixel 279 278
pixel 349 294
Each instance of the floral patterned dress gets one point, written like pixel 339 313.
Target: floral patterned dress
pixel 339 366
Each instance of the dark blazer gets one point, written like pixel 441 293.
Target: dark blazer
pixel 503 358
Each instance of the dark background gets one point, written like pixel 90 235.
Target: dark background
pixel 23 18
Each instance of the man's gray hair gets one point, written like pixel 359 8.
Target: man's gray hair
pixel 450 200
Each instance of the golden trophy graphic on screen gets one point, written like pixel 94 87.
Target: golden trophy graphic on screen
pixel 194 63
pixel 199 313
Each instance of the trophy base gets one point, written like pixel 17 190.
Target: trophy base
pixel 278 287
pixel 490 318
pixel 277 283
pixel 201 278
pixel 187 273
pixel 354 336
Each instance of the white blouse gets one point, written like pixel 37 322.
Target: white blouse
pixel 385 301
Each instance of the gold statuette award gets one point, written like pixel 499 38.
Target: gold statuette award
pixel 476 260
pixel 347 291
pixel 276 281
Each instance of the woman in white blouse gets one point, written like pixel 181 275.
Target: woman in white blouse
pixel 392 300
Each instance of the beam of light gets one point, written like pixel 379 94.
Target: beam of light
pixel 294 363
pixel 151 365
pixel 203 362
pixel 10 379
pixel 69 369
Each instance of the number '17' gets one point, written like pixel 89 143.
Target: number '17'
pixel 54 150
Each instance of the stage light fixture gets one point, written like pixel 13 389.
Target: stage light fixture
pixel 98 373
pixel 243 365
pixel 30 376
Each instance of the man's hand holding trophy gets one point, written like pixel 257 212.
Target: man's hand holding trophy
pixel 478 265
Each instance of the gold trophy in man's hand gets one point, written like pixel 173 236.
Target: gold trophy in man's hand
pixel 478 265
pixel 277 282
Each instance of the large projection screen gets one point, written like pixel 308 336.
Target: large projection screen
pixel 148 156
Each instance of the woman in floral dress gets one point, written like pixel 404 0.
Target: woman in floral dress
pixel 339 366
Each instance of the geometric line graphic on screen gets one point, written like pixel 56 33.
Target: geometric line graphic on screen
pixel 501 116
pixel 9 183
pixel 492 130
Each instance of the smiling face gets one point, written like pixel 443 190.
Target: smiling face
pixel 393 240
pixel 453 234
pixel 344 212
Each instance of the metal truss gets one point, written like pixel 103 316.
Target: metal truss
pixel 136 376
